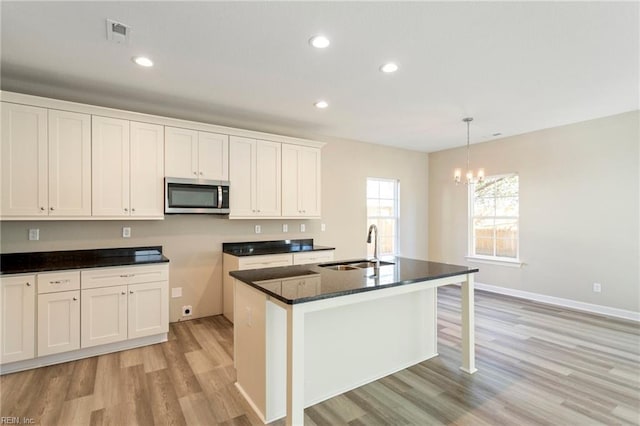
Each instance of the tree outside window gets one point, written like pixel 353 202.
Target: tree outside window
pixel 494 217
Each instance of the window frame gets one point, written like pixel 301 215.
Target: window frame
pixel 395 217
pixel 481 258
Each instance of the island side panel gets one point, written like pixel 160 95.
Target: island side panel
pixel 250 345
pixel 468 326
pixel 349 346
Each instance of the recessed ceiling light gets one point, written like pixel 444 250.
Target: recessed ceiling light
pixel 143 61
pixel 321 104
pixel 319 41
pixel 389 67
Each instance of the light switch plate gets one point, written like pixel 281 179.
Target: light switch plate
pixel 285 227
pixel 303 227
pixel 258 229
pixel 34 234
pixel 176 292
pixel 323 227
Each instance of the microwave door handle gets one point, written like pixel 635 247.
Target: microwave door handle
pixel 219 196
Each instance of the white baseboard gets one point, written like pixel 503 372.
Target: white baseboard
pixel 568 303
pixel 44 361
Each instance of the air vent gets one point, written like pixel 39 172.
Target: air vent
pixel 118 32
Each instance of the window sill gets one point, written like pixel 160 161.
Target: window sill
pixel 516 263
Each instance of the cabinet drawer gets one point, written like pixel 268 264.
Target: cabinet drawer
pixel 51 282
pixel 108 277
pixel 312 257
pixel 266 261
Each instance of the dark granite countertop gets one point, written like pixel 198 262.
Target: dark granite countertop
pixel 330 283
pixel 18 263
pixel 255 248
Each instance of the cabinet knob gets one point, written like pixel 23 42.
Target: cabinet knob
pixel 130 291
pixel 51 208
pixel 201 173
pixel 75 298
pixel 195 173
pixel 28 284
pixel 126 209
pixel 133 210
pixel 124 292
pixel 41 209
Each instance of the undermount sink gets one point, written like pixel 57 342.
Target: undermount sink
pixel 354 264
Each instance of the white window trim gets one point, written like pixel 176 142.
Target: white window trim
pixel 490 260
pixel 396 207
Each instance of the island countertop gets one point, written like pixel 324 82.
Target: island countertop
pixel 318 282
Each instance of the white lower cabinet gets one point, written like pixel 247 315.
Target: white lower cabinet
pixel 104 315
pixel 148 309
pixel 17 318
pixel 58 312
pixel 79 309
pixel 58 322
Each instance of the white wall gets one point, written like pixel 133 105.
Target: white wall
pixel 579 210
pixel 194 243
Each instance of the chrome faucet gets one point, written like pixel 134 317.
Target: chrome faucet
pixel 375 243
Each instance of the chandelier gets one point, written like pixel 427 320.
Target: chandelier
pixel 470 178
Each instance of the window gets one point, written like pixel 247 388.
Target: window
pixel 382 210
pixel 493 218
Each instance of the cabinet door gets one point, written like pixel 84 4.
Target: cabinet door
pixel 69 164
pixel 268 178
pixel 58 322
pixel 181 152
pixel 290 181
pixel 213 156
pixel 103 315
pixel 148 307
pixel 147 170
pixel 24 161
pixel 17 318
pixel 110 166
pixel 242 176
pixel 309 188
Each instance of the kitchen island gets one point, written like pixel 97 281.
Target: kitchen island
pixel 306 333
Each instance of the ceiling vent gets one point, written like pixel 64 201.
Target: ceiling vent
pixel 118 32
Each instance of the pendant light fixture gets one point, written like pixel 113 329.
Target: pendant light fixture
pixel 469 177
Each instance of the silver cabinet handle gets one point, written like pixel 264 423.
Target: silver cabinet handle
pixel 195 173
pixel 201 173
pixel 75 298
pixel 127 275
pixel 130 291
pixel 51 208
pixel 59 282
pixel 124 292
pixel 126 209
pixel 28 284
pixel 41 208
pixel 133 210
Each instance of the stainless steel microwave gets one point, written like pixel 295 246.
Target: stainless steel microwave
pixel 196 196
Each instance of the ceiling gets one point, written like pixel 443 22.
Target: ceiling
pixel 515 67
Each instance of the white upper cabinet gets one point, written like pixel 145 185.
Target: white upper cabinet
pixel 300 181
pixel 46 162
pixel 255 177
pixel 69 164
pixel 128 168
pixel 147 170
pixel 194 154
pixel 110 166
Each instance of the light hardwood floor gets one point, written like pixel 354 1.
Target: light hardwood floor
pixel 537 365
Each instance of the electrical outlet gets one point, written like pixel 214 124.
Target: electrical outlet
pixel 34 234
pixel 285 227
pixel 126 232
pixel 176 292
pixel 303 227
pixel 258 229
pixel 248 316
pixel 597 287
pixel 323 227
pixel 187 311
